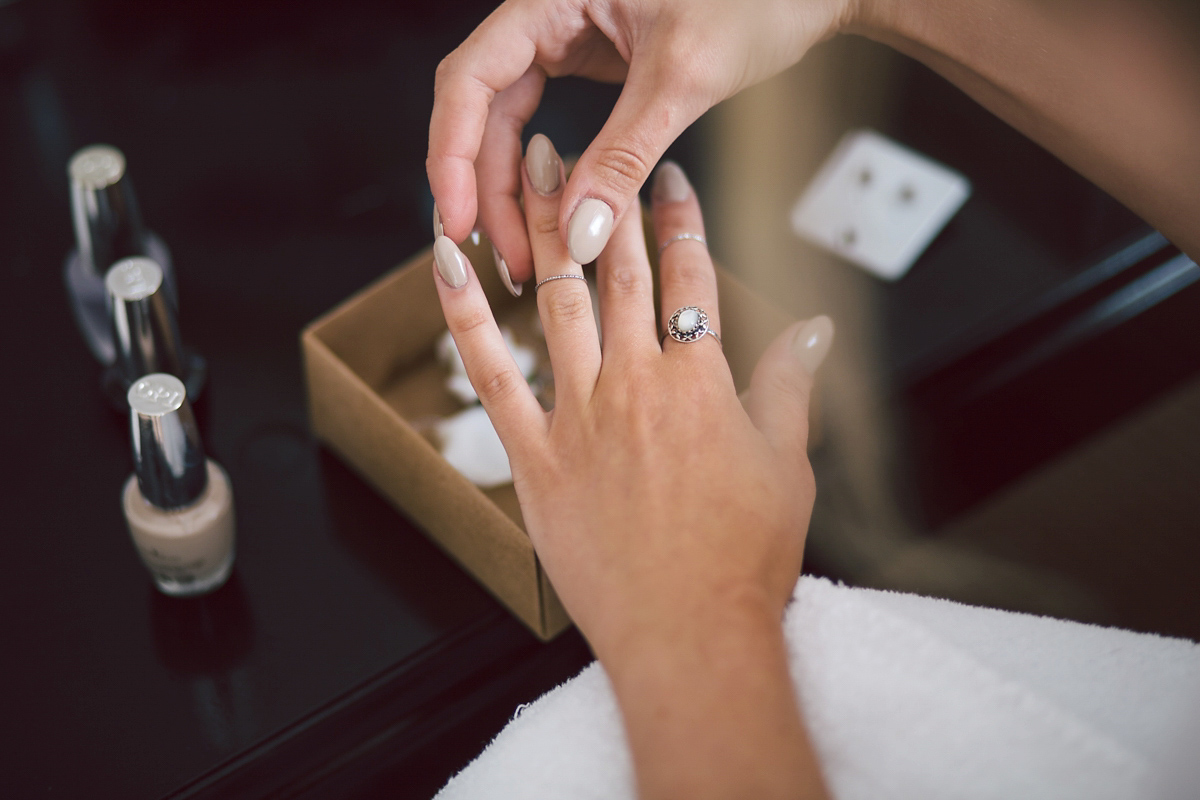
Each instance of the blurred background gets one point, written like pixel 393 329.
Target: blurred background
pixel 1015 422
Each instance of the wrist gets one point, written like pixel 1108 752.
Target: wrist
pixel 709 707
pixel 717 627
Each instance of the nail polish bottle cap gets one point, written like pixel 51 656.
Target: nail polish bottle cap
pixel 168 456
pixel 144 328
pixel 107 224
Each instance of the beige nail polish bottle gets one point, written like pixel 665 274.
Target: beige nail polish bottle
pixel 179 504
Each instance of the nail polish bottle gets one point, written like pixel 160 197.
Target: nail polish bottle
pixel 178 504
pixel 108 228
pixel 144 331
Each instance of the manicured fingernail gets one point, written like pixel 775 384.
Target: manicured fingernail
pixel 812 343
pixel 451 263
pixel 437 222
pixel 542 162
pixel 502 267
pixel 588 230
pixel 670 184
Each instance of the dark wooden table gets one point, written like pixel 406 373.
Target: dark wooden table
pixel 279 149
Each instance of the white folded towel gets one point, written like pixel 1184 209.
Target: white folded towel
pixel 909 696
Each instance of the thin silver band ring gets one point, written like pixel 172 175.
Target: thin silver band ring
pixel 695 237
pixel 538 285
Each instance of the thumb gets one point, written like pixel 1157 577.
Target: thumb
pixel 653 109
pixel 782 383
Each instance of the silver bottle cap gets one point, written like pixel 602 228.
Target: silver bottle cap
pixel 168 456
pixel 108 226
pixel 145 331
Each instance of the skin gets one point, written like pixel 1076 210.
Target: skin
pixel 1112 87
pixel 488 88
pixel 671 520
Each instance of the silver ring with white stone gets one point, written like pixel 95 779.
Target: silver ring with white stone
pixel 689 324
pixel 695 237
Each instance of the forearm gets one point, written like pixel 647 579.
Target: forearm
pixel 1109 87
pixel 711 713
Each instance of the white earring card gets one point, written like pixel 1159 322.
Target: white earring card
pixel 878 204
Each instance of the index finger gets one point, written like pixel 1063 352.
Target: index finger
pixel 492 58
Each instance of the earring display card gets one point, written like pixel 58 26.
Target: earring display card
pixel 878 204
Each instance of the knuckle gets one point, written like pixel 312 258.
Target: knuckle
pixel 444 72
pixel 637 409
pixel 789 386
pixel 625 281
pixel 621 166
pixel 567 305
pixel 638 391
pixel 470 321
pixel 544 224
pixel 497 385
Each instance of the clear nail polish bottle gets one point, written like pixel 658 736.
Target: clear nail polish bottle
pixel 178 504
pixel 145 333
pixel 108 228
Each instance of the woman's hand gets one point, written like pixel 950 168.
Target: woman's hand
pixel 677 59
pixel 670 520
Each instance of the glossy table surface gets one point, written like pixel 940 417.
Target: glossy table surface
pixel 279 150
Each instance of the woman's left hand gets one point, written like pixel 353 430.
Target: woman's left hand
pixel 671 520
pixel 649 493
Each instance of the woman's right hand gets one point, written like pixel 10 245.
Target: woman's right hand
pixel 677 59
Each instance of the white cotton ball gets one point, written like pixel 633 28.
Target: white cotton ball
pixel 460 386
pixel 470 444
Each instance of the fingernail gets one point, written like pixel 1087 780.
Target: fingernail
pixel 502 268
pixel 451 263
pixel 812 343
pixel 437 222
pixel 670 184
pixel 588 230
pixel 542 162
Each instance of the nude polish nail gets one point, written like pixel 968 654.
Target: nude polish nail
pixel 542 163
pixel 588 230
pixel 502 267
pixel 812 343
pixel 437 222
pixel 670 184
pixel 451 263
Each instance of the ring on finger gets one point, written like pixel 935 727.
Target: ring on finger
pixel 689 324
pixel 538 285
pixel 679 237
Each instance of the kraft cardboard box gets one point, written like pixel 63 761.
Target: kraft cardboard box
pixel 373 377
